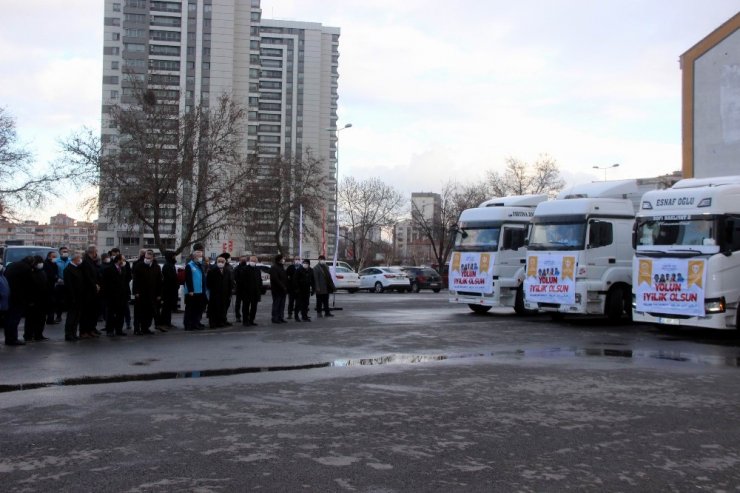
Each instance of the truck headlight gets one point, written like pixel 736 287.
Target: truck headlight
pixel 715 305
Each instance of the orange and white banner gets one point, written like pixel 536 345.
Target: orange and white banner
pixel 550 278
pixel 471 272
pixel 670 286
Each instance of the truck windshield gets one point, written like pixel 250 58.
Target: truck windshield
pixel 678 233
pixel 478 239
pixel 557 236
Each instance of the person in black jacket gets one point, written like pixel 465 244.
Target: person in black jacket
pixel 238 295
pixel 116 294
pixel 51 270
pixel 216 283
pixel 39 300
pixel 228 289
pixel 170 289
pixel 147 291
pixel 74 295
pixel 249 289
pixel 290 271
pixel 18 275
pixel 305 287
pixel 279 289
pixel 91 283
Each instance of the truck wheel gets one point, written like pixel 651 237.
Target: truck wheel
pixel 436 290
pixel 378 288
pixel 479 309
pixel 519 303
pixel 615 302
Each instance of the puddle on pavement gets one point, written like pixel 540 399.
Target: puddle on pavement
pixel 542 354
pixel 550 353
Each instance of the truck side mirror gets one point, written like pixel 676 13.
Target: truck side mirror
pixel 634 235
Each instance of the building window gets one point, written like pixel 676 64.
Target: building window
pixel 109 242
pixel 115 36
pixel 134 47
pixel 114 94
pixel 114 65
pixel 138 18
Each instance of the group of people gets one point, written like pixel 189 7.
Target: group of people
pixel 91 288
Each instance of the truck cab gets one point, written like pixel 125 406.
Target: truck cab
pixel 579 252
pixel 687 254
pixel 487 263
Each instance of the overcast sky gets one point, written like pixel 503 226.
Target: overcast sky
pixel 434 89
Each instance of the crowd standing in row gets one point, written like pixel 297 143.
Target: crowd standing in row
pixel 92 288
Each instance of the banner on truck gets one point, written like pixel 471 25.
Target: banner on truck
pixel 671 286
pixel 471 272
pixel 550 278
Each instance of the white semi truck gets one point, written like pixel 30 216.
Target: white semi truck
pixel 687 259
pixel 487 261
pixel 579 254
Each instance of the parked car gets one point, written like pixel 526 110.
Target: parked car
pixel 13 253
pixel 378 279
pixel 424 278
pixel 345 278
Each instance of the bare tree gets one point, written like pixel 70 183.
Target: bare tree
pixel 168 168
pixel 365 208
pixel 521 178
pixel 283 186
pixel 22 186
pixel 438 230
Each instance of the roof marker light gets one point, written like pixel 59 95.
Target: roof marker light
pixel 707 202
pixel 646 205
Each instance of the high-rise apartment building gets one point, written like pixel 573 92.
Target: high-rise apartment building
pixel 192 51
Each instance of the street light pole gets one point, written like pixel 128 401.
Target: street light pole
pixel 336 197
pixel 606 168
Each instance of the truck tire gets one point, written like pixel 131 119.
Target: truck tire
pixel 479 309
pixel 615 303
pixel 519 303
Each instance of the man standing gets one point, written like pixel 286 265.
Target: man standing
pixel 324 286
pixel 305 286
pixel 51 272
pixel 116 293
pixel 279 288
pixel 18 275
pixel 249 289
pixel 217 293
pixel 239 272
pixel 39 300
pixel 128 277
pixel 292 286
pixel 170 288
pixel 195 292
pixel 91 284
pixel 228 282
pixel 59 291
pixel 4 295
pixel 74 294
pixel 147 292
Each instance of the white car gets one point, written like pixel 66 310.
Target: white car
pixel 345 278
pixel 378 279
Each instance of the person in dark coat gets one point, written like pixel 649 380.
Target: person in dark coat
pixel 249 289
pixel 292 286
pixel 74 296
pixel 18 275
pixel 4 295
pixel 128 275
pixel 216 282
pixel 238 271
pixel 91 304
pixel 228 288
pixel 51 271
pixel 170 289
pixel 279 289
pixel 324 286
pixel 147 290
pixel 39 300
pixel 304 289
pixel 116 293
pixel 195 291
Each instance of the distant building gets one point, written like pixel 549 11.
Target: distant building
pixel 285 73
pixel 711 103
pixel 62 230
